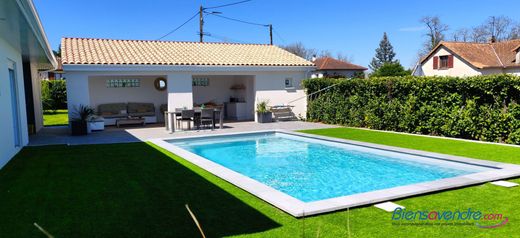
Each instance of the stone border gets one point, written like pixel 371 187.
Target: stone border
pixel 298 208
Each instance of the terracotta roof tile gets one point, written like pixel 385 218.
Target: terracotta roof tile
pixel 484 55
pixel 140 52
pixel 328 63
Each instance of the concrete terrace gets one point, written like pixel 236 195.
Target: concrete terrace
pixel 60 135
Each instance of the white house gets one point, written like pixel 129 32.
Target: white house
pixel 334 68
pixel 469 59
pixel 24 51
pixel 104 71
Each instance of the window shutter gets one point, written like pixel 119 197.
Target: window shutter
pixel 435 62
pixel 450 61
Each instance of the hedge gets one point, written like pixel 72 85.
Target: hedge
pixel 54 95
pixel 480 108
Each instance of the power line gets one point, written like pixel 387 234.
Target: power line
pixel 179 27
pixel 230 4
pixel 279 36
pixel 238 20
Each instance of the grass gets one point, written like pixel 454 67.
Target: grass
pixel 58 118
pixel 139 190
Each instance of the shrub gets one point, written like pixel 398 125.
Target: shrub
pixel 54 95
pixel 480 108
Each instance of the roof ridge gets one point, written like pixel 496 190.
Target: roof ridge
pixel 165 41
pixel 494 51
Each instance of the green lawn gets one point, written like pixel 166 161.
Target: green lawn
pixel 139 190
pixel 58 118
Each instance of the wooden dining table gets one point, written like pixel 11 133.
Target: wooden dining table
pixel 171 118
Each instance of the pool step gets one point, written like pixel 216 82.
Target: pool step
pixel 503 183
pixel 388 206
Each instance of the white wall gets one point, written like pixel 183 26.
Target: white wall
pixel 179 91
pixel 271 86
pixel 77 92
pixel 460 67
pixel 146 93
pixel 7 148
pixel 37 97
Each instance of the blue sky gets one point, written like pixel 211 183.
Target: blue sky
pixel 353 28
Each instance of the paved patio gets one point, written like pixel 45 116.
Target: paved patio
pixel 60 135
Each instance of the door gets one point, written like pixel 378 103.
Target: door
pixel 14 108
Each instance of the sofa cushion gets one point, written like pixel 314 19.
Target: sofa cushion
pixel 134 107
pixel 112 109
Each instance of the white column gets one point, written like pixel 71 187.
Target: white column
pixel 77 91
pixel 180 93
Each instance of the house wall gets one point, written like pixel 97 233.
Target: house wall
pixel 146 93
pixel 345 73
pixel 460 67
pixel 37 97
pixel 8 56
pixel 515 71
pixel 267 85
pixel 271 86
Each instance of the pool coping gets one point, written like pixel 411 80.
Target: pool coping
pixel 298 208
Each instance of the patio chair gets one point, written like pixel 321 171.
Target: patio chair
pixel 206 116
pixel 178 117
pixel 187 116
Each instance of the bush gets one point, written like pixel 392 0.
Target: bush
pixel 54 95
pixel 480 108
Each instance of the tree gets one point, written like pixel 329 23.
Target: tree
pixel 384 54
pixel 462 34
pixel 436 30
pixel 497 27
pixel 300 50
pixel 391 69
pixel 515 32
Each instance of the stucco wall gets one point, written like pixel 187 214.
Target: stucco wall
pixel 264 85
pixel 7 145
pixel 271 86
pixel 460 67
pixel 146 93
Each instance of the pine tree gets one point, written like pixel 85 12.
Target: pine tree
pixel 384 54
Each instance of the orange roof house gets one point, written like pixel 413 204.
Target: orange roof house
pixel 467 59
pixel 330 67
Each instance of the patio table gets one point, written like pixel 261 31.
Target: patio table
pixel 170 118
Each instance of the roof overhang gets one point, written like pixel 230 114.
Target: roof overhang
pixel 181 68
pixel 23 30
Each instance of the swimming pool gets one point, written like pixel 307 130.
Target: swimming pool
pixel 305 174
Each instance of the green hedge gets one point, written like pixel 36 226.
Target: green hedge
pixel 54 95
pixel 480 108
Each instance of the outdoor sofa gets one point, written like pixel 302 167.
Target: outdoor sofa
pixel 113 111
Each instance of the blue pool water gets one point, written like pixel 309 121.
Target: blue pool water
pixel 313 169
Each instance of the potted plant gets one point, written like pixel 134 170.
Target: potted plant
pixel 262 112
pixel 79 123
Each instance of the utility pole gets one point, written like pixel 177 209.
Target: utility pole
pixel 201 24
pixel 271 33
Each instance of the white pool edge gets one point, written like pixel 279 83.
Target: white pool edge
pixel 298 208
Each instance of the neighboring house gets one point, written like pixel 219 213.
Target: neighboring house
pixel 54 73
pixel 327 67
pixel 24 51
pixel 101 71
pixel 468 59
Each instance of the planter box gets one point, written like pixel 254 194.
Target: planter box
pixel 264 117
pixel 78 128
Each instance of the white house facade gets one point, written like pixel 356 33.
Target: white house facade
pixel 235 75
pixel 470 59
pixel 24 51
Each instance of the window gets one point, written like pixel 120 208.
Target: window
pixel 200 82
pixel 289 83
pixel 443 64
pixel 123 83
